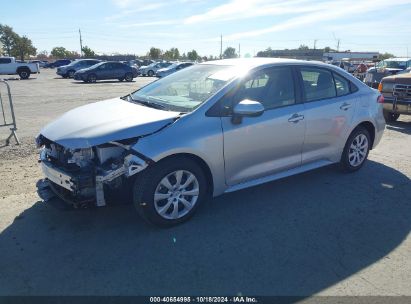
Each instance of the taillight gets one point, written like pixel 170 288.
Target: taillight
pixel 380 98
pixel 380 87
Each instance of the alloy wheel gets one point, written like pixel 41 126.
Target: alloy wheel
pixel 358 150
pixel 176 194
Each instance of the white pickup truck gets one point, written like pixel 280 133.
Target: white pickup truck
pixel 9 66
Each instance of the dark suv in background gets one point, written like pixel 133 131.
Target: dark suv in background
pixel 58 63
pixel 107 70
pixel 69 70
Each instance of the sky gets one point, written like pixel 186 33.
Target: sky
pixel 133 26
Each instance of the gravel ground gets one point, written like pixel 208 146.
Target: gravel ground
pixel 318 233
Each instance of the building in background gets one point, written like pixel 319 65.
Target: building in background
pixel 303 54
pixel 352 56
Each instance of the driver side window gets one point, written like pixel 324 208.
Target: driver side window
pixel 273 87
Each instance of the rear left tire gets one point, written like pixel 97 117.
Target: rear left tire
pixel 24 73
pixel 356 150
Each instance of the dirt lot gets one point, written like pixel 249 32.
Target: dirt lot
pixel 321 232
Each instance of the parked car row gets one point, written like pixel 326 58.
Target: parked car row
pixel 91 70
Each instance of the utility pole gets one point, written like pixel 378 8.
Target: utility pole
pixel 81 44
pixel 315 43
pixel 338 45
pixel 239 50
pixel 221 47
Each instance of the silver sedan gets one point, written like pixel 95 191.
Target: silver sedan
pixel 209 129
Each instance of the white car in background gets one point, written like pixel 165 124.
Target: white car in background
pixel 9 66
pixel 173 68
pixel 151 70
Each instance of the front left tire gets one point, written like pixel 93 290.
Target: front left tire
pixel 170 192
pixel 128 77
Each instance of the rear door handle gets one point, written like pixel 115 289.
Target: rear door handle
pixel 345 106
pixel 296 118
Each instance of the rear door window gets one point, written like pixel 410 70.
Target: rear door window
pixel 318 83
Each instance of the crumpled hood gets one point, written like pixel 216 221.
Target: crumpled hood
pixel 104 121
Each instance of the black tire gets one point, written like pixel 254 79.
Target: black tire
pixel 92 78
pixel 345 163
pixel 121 79
pixel 146 183
pixel 128 77
pixel 24 73
pixel 150 73
pixel 390 116
pixel 70 74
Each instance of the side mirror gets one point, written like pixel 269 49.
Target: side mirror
pixel 246 108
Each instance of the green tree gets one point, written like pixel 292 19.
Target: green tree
pixel 172 53
pixel 59 52
pixel 87 52
pixel 230 53
pixel 43 55
pixel 303 47
pixel 23 47
pixel 154 53
pixel 72 55
pixel 386 56
pixel 192 55
pixel 8 38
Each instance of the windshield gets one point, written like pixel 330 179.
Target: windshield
pixel 186 90
pixel 392 64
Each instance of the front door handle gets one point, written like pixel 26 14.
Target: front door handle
pixel 345 106
pixel 296 118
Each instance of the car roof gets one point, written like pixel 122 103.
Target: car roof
pixel 398 59
pixel 250 63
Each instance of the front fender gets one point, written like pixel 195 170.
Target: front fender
pixel 190 134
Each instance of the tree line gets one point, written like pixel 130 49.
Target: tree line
pixel 14 44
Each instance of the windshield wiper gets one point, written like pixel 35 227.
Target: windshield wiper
pixel 147 103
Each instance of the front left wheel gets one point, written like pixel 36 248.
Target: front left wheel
pixel 128 77
pixel 170 192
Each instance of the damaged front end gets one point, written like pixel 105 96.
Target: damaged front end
pixel 82 177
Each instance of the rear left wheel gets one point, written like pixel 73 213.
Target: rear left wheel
pixel 170 192
pixel 24 73
pixel 356 150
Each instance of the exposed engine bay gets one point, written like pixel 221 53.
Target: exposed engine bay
pixel 83 176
